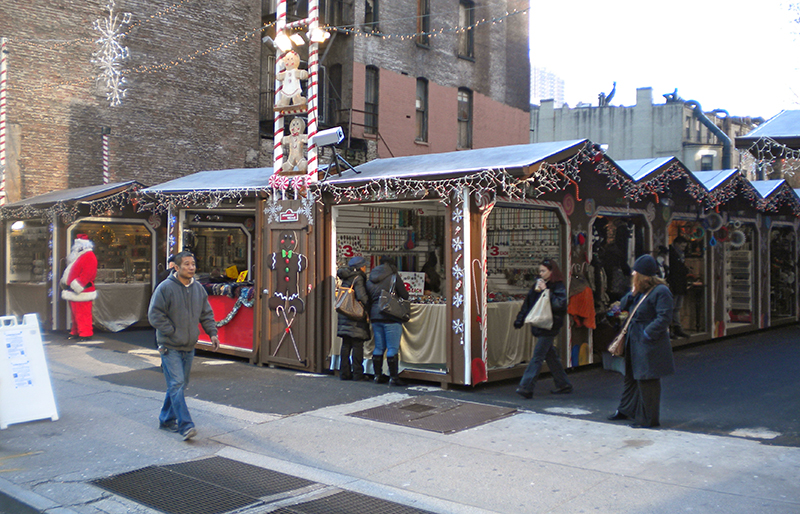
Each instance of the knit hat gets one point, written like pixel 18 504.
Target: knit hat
pixel 357 262
pixel 646 265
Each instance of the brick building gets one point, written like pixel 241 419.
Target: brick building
pixel 175 119
pixel 401 77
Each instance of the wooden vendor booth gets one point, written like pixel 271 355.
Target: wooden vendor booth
pixel 39 233
pixel 213 215
pixel 476 220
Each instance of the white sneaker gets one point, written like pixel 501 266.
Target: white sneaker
pixel 191 432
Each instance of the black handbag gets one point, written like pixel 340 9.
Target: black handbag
pixel 394 306
pixel 348 305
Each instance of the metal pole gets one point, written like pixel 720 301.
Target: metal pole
pixel 3 106
pixel 105 132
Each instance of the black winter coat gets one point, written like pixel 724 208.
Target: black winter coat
pixel 558 303
pixel 648 334
pixel 350 327
pixel 678 272
pixel 380 279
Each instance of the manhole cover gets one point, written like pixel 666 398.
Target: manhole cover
pixel 435 414
pixel 347 502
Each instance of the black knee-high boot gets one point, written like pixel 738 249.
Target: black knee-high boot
pixel 377 364
pixel 394 380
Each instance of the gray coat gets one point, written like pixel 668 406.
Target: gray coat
pixel 357 329
pixel 175 312
pixel 648 334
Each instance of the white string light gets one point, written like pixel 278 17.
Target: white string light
pixel 111 53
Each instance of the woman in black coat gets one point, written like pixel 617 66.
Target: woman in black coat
pixel 353 332
pixel 550 277
pixel 648 352
pixel 388 330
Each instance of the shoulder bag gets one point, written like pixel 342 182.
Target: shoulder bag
pixel 347 303
pixel 541 314
pixel 394 306
pixel 617 346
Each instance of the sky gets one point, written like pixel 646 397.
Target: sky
pixel 737 55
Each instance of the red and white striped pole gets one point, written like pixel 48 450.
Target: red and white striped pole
pixel 105 132
pixel 3 108
pixel 313 88
pixel 277 150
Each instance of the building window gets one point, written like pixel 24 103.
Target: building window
pixel 464 118
pixel 466 34
pixel 423 22
pixel 422 110
pixel 688 128
pixel 371 16
pixel 332 12
pixel 371 101
pixel 331 93
pixel 698 129
pixel 706 163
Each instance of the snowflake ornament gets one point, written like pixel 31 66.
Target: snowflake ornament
pixel 458 299
pixel 457 244
pixel 458 326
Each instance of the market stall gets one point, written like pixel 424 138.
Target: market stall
pixel 39 232
pixel 213 215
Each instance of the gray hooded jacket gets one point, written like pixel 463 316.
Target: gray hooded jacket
pixel 175 312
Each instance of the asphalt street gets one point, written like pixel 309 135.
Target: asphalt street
pixel 746 386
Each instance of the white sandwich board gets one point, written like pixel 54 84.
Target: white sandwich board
pixel 25 390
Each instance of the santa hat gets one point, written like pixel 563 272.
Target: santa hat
pixel 82 236
pixel 82 243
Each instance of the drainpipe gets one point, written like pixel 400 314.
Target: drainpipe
pixel 727 144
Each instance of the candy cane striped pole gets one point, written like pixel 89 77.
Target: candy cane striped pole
pixel 277 151
pixel 313 88
pixel 3 106
pixel 106 132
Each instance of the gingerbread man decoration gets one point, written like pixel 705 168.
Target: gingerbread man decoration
pixel 296 141
pixel 291 91
pixel 287 264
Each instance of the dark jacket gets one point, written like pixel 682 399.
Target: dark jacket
pixel 677 278
pixel 380 279
pixel 175 312
pixel 648 334
pixel 558 304
pixel 357 329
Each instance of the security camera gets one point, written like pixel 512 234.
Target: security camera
pixel 330 137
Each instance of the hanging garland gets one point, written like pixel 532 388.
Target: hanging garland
pixel 245 298
pixel 69 212
pixel 766 157
pixel 162 202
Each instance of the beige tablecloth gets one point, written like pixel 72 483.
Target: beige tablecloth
pixel 119 306
pixel 506 346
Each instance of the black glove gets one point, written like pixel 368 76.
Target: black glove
pixel 518 323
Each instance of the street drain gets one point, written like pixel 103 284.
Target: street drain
pixel 435 414
pixel 209 486
pixel 347 502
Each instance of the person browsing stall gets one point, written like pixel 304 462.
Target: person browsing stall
pixel 353 332
pixel 177 308
pixel 387 330
pixel 550 277
pixel 648 352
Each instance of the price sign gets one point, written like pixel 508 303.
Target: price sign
pixel 499 250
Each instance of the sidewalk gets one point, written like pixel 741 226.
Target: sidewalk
pixel 529 462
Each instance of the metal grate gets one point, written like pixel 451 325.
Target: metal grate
pixel 207 486
pixel 173 493
pixel 435 414
pixel 347 502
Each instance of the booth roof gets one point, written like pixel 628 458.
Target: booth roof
pixel 713 179
pixel 766 188
pixel 77 194
pixel 784 128
pixel 216 180
pixel 463 162
pixel 639 169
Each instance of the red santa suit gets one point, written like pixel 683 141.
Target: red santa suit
pixel 78 283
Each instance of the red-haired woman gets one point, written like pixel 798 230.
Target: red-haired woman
pixel 550 277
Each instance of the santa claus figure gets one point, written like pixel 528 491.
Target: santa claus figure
pixel 78 284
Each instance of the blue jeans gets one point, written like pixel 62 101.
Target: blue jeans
pixel 543 351
pixel 387 338
pixel 176 366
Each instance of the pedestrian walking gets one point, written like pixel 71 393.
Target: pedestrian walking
pixel 550 277
pixel 178 305
pixel 648 352
pixel 353 332
pixel 387 330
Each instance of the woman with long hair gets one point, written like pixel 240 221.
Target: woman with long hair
pixel 550 277
pixel 648 352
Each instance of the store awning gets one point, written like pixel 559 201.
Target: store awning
pixel 460 163
pixel 75 195
pixel 711 180
pixel 242 179
pixel 642 169
pixel 783 128
pixel 767 188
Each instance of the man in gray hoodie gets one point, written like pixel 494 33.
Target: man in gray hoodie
pixel 178 305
